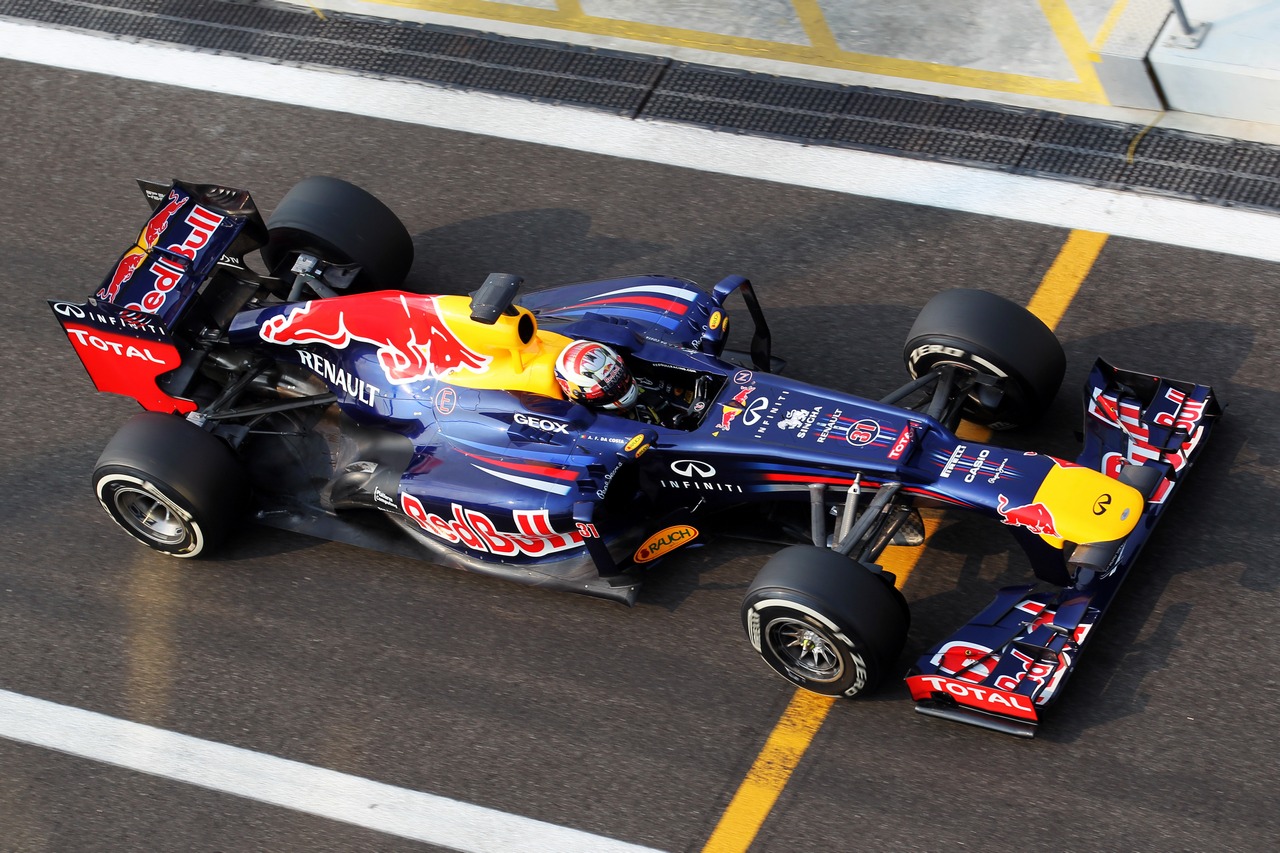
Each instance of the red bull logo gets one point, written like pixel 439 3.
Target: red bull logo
pixel 203 224
pixel 413 341
pixel 167 276
pixel 728 413
pixel 1035 517
pixel 120 276
pixel 159 220
pixel 534 537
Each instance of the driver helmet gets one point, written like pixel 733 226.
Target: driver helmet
pixel 593 374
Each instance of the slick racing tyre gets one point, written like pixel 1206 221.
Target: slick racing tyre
pixel 341 224
pixel 170 484
pixel 987 334
pixel 825 622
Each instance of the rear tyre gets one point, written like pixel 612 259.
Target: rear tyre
pixel 341 224
pixel 171 485
pixel 825 622
pixel 987 334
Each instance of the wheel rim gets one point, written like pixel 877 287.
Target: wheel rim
pixel 805 650
pixel 149 516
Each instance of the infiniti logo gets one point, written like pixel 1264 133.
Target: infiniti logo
pixel 755 410
pixel 1101 504
pixel 66 309
pixel 692 468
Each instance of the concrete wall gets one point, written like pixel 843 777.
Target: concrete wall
pixel 1235 71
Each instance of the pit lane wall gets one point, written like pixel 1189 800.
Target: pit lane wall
pixel 1131 54
pixel 1229 67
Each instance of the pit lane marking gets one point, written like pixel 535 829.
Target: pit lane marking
pixel 822 51
pixel 1061 204
pixel 1068 272
pixel 289 784
pixel 802 719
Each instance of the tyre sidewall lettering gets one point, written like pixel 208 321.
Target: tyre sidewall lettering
pixel 954 354
pixel 759 618
pixel 1014 402
pixel 111 483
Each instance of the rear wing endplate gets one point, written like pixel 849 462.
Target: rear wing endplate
pixel 125 352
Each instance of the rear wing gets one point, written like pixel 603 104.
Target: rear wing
pixel 192 228
pixel 122 333
pixel 1010 661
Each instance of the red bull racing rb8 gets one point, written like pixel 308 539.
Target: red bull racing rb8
pixel 321 397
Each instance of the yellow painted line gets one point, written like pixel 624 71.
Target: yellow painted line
pixel 770 772
pixel 1065 276
pixel 1079 52
pixel 811 17
pixel 823 53
pixel 1108 24
pixel 786 745
pixel 1132 149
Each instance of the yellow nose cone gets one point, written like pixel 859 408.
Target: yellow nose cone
pixel 1088 506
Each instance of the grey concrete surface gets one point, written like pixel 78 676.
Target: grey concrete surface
pixel 1099 58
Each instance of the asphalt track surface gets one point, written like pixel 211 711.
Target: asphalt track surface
pixel 635 724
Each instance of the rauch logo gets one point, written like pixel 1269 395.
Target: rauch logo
pixel 665 541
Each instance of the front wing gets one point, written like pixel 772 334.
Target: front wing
pixel 1002 669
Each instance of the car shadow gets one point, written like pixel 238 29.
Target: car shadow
pixel 544 246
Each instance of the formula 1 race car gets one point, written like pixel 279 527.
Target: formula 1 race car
pixel 320 398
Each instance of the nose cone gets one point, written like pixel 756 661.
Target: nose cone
pixel 1088 506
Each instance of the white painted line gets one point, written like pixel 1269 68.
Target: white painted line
pixel 289 784
pixel 1057 203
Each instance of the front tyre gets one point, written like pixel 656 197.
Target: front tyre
pixel 825 622
pixel 170 484
pixel 982 333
